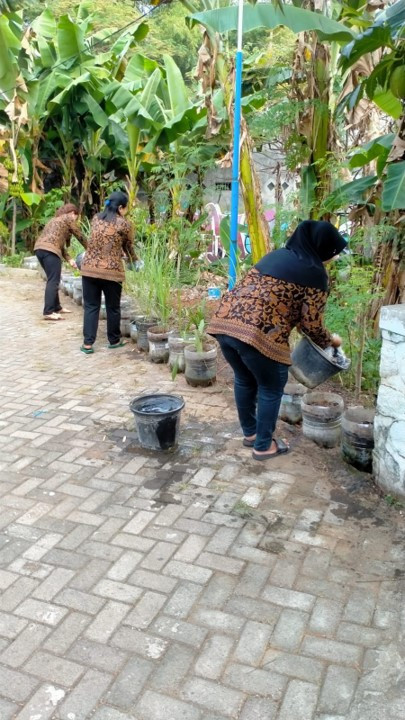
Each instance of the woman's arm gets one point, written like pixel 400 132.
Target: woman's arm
pixel 311 321
pixel 128 244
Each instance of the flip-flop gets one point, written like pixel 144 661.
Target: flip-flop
pixel 282 449
pixel 248 443
pixel 117 345
pixel 86 351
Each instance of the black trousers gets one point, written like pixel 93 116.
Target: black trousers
pixel 92 290
pixel 258 387
pixel 52 266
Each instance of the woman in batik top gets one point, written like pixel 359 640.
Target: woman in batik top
pixel 50 247
pixel 287 288
pixel 102 270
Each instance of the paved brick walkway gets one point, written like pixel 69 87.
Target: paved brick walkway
pixel 197 586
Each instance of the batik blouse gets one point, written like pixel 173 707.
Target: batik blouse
pixel 105 248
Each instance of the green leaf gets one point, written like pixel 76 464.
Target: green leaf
pixel 268 16
pixel 45 25
pixel 388 103
pixel 96 111
pixel 394 15
pixel 178 98
pixel 308 190
pixel 70 39
pixel 372 39
pixel 138 68
pixel 31 198
pixel 379 149
pixel 349 193
pixel 9 46
pixel 393 195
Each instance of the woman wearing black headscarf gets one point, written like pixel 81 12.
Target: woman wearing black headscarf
pixel 287 288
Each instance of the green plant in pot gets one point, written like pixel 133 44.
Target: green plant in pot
pixel 179 338
pixel 201 359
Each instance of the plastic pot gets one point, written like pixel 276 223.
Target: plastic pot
pixel 158 338
pixel 290 408
pixel 143 324
pixel 200 367
pixel 157 419
pixel 310 366
pixel 176 350
pixel 358 437
pixel 322 417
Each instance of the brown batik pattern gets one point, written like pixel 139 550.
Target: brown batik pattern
pixel 55 236
pixel 108 241
pixel 262 311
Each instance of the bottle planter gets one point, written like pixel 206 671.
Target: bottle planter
pixel 125 327
pixel 133 331
pixel 66 278
pixel 42 272
pixel 30 263
pixel 321 418
pixel 158 338
pixel 143 323
pixel 290 408
pixel 177 343
pixel 200 367
pixel 358 437
pixel 77 291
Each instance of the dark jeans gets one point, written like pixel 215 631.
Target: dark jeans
pixel 92 290
pixel 259 385
pixel 52 266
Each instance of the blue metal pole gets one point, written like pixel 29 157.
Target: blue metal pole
pixel 236 154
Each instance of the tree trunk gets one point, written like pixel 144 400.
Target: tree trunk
pixel 14 226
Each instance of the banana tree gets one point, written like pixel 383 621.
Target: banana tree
pixel 153 108
pixel 267 15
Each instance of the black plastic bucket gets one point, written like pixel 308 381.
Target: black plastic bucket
pixel 157 419
pixel 310 366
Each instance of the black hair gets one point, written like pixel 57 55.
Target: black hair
pixel 116 200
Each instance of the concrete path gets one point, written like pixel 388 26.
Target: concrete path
pixel 196 586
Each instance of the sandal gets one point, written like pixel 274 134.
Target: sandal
pixel 121 343
pixel 87 351
pixel 53 317
pixel 282 449
pixel 248 443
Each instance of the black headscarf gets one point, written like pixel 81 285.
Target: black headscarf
pixel 301 261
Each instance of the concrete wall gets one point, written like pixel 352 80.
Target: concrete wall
pixel 389 428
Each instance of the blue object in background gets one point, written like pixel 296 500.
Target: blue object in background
pixel 214 292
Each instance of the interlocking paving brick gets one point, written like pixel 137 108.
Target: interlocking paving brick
pixel 213 656
pixel 16 685
pixel 41 612
pixel 259 709
pixel 255 681
pixel 252 643
pixel 213 696
pixel 332 650
pixel 289 598
pixel 299 701
pixel 53 668
pixel 77 600
pixel 218 620
pixel 145 610
pixel 24 645
pixel 173 667
pixel 110 713
pixel 130 682
pixel 183 599
pixel 7 709
pixel 103 626
pixel 289 630
pixel 43 704
pixel 67 632
pixel 326 616
pixel 155 706
pixel 338 690
pixel 97 655
pixel 84 696
pixel 187 571
pixel 117 591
